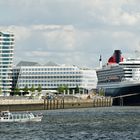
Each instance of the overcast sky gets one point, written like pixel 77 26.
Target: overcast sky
pixel 71 31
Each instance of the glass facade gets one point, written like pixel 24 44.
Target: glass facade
pixel 52 77
pixel 6 61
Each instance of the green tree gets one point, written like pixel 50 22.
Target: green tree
pixel 101 92
pixel 77 89
pixel 60 89
pixel 66 89
pixel 63 88
pixel 26 89
pixel 32 89
pixel 39 89
pixel 16 90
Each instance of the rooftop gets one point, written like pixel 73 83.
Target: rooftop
pixel 27 63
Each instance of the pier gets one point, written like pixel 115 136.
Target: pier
pixel 51 104
pixel 127 99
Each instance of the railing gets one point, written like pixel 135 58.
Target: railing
pixel 127 95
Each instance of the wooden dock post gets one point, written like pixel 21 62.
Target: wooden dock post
pixel 63 103
pixel 57 104
pixel 102 102
pixel 93 102
pixel 54 104
pixel 44 104
pixel 106 102
pixel 47 103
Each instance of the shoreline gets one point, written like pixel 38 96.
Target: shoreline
pixel 47 104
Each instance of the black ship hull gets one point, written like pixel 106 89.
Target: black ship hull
pixel 123 95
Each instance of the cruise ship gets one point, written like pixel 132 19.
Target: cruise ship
pixel 120 78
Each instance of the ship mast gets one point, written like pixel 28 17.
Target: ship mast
pixel 100 61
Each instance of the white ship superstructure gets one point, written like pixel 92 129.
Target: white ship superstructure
pixel 123 74
pixel 131 69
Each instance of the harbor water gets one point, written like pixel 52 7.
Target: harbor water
pixel 110 123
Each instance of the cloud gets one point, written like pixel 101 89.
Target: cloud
pixel 65 12
pixel 46 27
pixel 114 12
pixel 70 45
pixel 21 33
pixel 71 31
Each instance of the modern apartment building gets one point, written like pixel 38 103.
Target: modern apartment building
pixel 51 76
pixel 6 61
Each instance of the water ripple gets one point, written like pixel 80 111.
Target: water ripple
pixel 113 123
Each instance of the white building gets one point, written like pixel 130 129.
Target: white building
pixel 6 61
pixel 51 76
pixel 89 79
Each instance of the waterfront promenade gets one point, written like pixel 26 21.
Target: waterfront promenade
pixel 59 102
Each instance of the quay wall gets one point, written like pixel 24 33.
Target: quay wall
pixel 47 104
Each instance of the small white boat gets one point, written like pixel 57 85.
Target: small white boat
pixel 6 116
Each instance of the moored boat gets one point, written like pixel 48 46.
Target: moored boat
pixel 7 116
pixel 120 78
